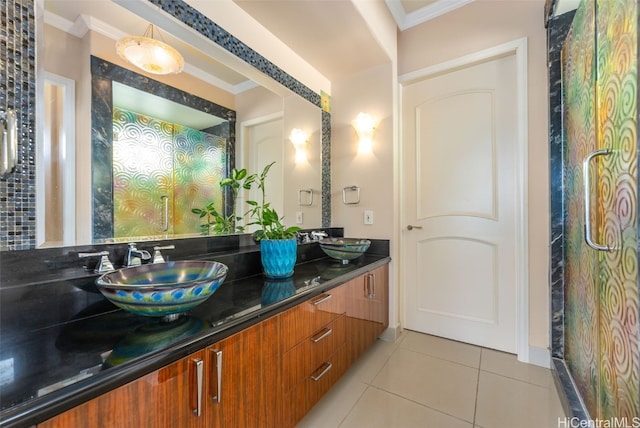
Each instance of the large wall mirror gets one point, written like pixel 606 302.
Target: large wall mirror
pixel 187 130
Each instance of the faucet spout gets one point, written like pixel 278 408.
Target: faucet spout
pixel 134 256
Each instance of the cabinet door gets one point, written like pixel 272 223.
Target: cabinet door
pixel 164 398
pixel 244 374
pixel 367 309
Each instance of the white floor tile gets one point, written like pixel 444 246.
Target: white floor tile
pixel 508 365
pixel 507 402
pixel 433 382
pixel 380 409
pixel 425 381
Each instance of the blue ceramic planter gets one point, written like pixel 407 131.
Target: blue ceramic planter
pixel 278 257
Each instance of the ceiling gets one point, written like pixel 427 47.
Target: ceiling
pixel 332 36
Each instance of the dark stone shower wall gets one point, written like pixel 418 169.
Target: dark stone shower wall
pixel 556 33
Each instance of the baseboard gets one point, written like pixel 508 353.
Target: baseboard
pixel 391 334
pixel 540 357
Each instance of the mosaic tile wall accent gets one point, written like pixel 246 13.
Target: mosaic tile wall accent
pixel 17 92
pixel 601 287
pixel 205 26
pixel 157 163
pixel 103 73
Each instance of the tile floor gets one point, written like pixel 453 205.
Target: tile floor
pixel 429 382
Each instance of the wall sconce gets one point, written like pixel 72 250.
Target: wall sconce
pixel 151 55
pixel 364 126
pixel 299 140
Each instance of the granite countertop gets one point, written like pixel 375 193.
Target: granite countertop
pixel 62 344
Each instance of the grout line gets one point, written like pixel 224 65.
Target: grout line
pixel 421 404
pixel 475 407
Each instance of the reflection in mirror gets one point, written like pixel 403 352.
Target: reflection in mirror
pixel 55 163
pixel 96 219
pixel 167 160
pixel 154 158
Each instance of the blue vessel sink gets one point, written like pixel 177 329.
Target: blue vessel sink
pixel 162 289
pixel 344 249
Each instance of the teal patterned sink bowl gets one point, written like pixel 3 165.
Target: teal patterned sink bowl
pixel 344 249
pixel 162 289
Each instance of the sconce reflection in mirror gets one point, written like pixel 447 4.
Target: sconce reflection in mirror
pixel 149 54
pixel 364 126
pixel 299 140
pixel 8 142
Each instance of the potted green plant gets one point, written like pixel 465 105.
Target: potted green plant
pixel 217 223
pixel 278 243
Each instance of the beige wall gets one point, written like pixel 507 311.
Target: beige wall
pixel 373 92
pixel 480 25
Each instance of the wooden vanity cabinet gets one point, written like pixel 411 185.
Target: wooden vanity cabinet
pixel 236 386
pixel 367 311
pixel 268 375
pixel 250 369
pixel 164 398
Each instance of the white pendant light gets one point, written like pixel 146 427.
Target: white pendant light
pixel 151 55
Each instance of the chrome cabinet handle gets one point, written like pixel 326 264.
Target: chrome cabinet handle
pixel 327 366
pixel 324 334
pixel 410 227
pixel 322 299
pixel 217 396
pixel 586 168
pixel 370 286
pixel 199 371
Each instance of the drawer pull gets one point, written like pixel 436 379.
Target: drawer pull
pixel 322 335
pixel 327 366
pixel 322 299
pixel 199 373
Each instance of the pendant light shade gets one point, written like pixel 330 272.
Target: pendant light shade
pixel 149 54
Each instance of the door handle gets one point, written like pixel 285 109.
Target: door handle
pixel 410 227
pixel 586 169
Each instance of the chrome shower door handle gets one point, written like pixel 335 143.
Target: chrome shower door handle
pixel 586 169
pixel 165 222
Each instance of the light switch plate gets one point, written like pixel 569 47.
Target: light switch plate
pixel 298 217
pixel 368 217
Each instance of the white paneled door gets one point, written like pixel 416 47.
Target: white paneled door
pixel 461 193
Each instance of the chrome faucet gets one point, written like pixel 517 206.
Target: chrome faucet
pixel 134 256
pixel 316 236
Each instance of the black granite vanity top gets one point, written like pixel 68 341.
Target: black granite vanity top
pixel 63 343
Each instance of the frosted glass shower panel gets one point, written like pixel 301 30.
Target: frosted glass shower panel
pixel 161 171
pixel 142 174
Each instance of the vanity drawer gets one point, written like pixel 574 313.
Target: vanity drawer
pixel 299 400
pixel 307 318
pixel 301 361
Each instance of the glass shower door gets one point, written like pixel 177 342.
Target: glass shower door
pixel 142 175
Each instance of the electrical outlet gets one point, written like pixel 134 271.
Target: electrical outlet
pixel 368 217
pixel 298 217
